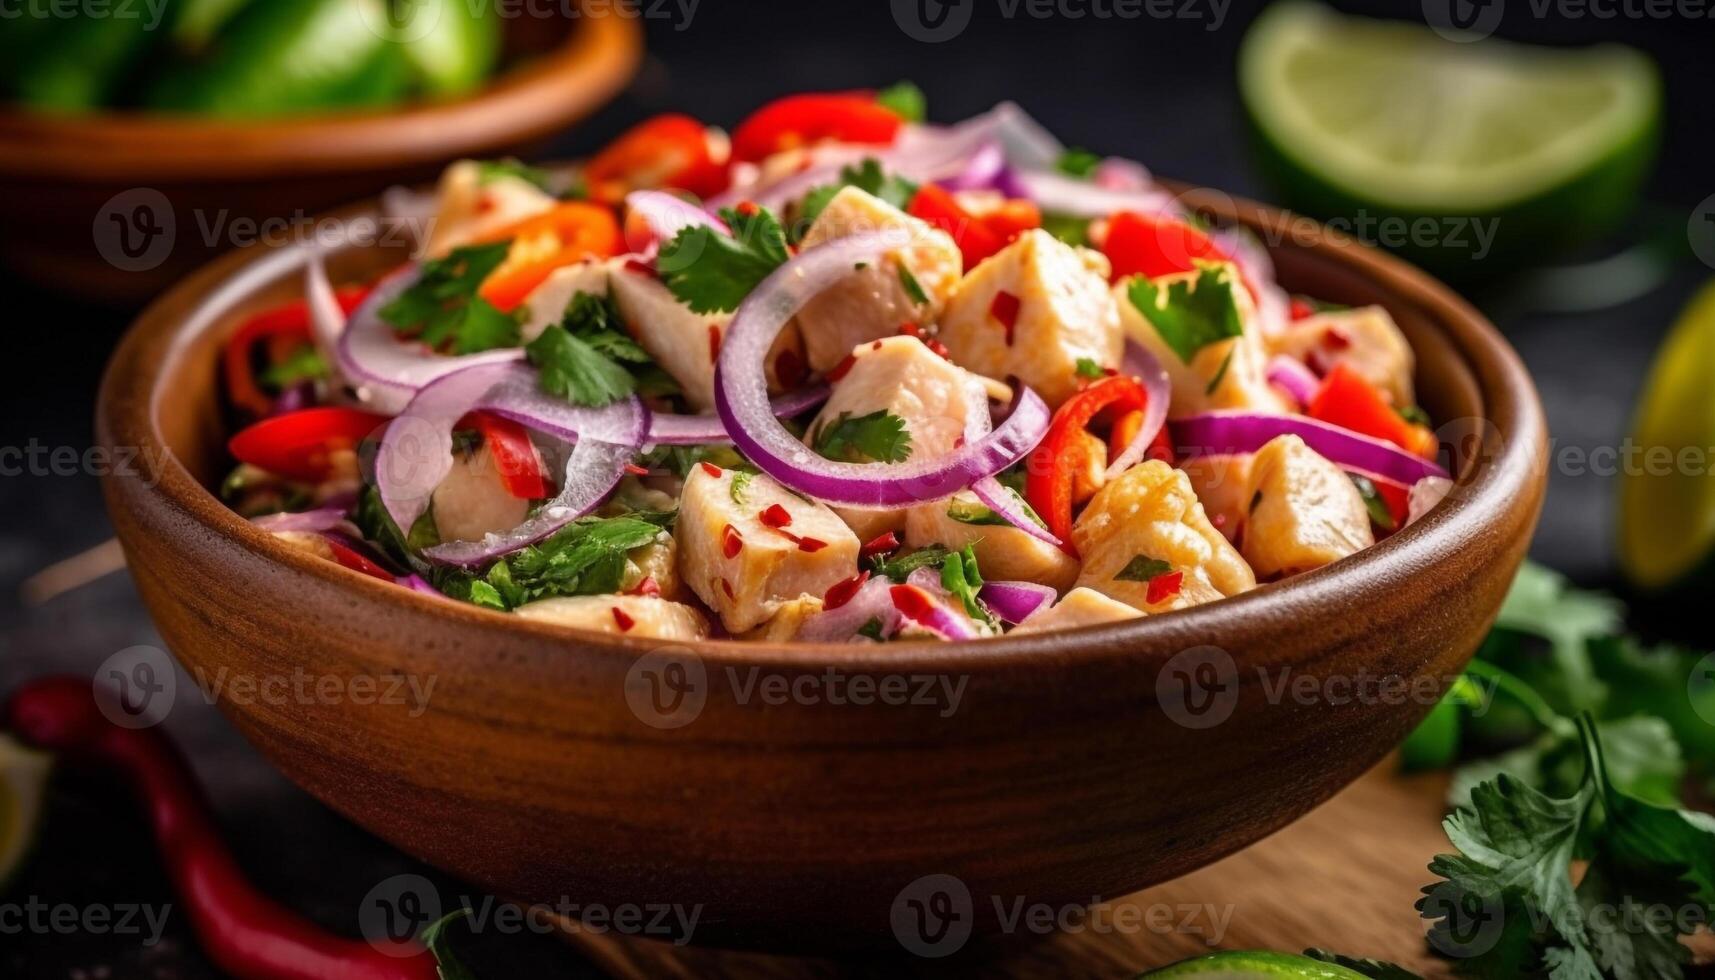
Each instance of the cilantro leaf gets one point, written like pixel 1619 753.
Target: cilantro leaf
pixel 1142 568
pixel 583 358
pixel 1380 515
pixel 489 171
pixel 304 364
pixel 899 569
pixel 904 100
pixel 442 308
pixel 1190 315
pixel 867 176
pixel 1089 368
pixel 880 436
pixel 590 556
pixel 961 577
pixel 979 514
pixel 711 272
pixel 1069 228
pixel 871 629
pixel 1077 162
pixel 1541 603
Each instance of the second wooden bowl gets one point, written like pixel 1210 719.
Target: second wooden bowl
pixel 828 796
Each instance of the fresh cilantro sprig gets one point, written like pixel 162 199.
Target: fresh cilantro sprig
pixel 866 176
pixel 304 364
pixel 961 577
pixel 588 359
pixel 442 308
pixel 712 272
pixel 1089 368
pixel 587 557
pixel 904 100
pixel 879 436
pixel 899 569
pixel 1190 314
pixel 1142 568
pixel 1077 162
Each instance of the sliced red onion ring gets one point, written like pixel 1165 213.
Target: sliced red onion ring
pixel 698 430
pixel 998 498
pixel 1424 495
pixel 872 601
pixel 1217 433
pixel 1120 174
pixel 1290 374
pixel 1015 601
pixel 327 318
pixel 310 521
pixel 741 399
pixel 417 583
pixel 416 450
pixel 922 607
pixel 1142 365
pixel 386 370
pixel 653 217
pixel 1060 194
pixel 980 171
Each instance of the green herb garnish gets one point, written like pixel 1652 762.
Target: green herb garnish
pixel 442 308
pixel 587 358
pixel 867 176
pixel 1142 568
pixel 904 100
pixel 712 272
pixel 1380 515
pixel 1190 314
pixel 1076 162
pixel 880 437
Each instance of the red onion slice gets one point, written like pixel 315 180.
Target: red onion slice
pixel 1289 374
pixel 922 607
pixel 1015 601
pixel 699 430
pixel 872 601
pixel 310 521
pixel 741 399
pixel 654 217
pixel 416 583
pixel 998 498
pixel 1219 433
pixel 980 171
pixel 1142 365
pixel 1060 194
pixel 1121 174
pixel 1424 495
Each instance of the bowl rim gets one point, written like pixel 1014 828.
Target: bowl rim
pixel 530 100
pixel 1505 477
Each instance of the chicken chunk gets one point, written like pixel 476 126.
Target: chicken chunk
pixel 876 300
pixel 899 375
pixel 1003 551
pixel 470 206
pixel 1034 310
pixel 1222 485
pixel 1365 339
pixel 785 623
pixel 683 342
pixel 546 304
pixel 628 615
pixel 1231 373
pixel 746 549
pixel 472 500
pixel 657 561
pixel 1148 517
pixel 1304 511
pixel 1080 607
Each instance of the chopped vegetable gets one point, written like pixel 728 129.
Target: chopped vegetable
pixel 798 121
pixel 904 100
pixel 879 436
pixel 442 308
pixel 713 273
pixel 1190 315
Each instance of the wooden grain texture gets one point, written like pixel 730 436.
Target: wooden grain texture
pixel 1065 769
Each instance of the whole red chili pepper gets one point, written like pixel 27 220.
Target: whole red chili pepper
pixel 243 932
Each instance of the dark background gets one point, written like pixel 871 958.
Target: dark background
pixel 1159 90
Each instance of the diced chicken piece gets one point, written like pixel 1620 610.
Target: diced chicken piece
pixel 1151 514
pixel 1034 310
pixel 625 615
pixel 747 553
pixel 657 561
pixel 469 207
pixel 1229 373
pixel 1092 467
pixel 1304 511
pixel 546 305
pixel 874 301
pixel 1004 553
pixel 901 376
pixel 1222 485
pixel 1080 607
pixel 472 500
pixel 1365 339
pixel 786 623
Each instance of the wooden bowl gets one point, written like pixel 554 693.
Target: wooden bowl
pixel 70 187
pixel 550 764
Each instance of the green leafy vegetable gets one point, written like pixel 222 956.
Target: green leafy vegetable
pixel 1076 162
pixel 711 272
pixel 899 569
pixel 679 460
pixel 587 557
pixel 1415 415
pixel 913 288
pixel 979 514
pixel 867 176
pixel 587 358
pixel 1088 368
pixel 442 308
pixel 489 171
pixel 740 483
pixel 1142 568
pixel 303 364
pixel 1220 373
pixel 1380 515
pixel 872 629
pixel 880 436
pixel 1069 228
pixel 961 577
pixel 1190 315
pixel 904 100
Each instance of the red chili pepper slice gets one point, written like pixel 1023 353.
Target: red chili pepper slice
pixel 776 516
pixel 1154 245
pixel 300 445
pixel 1347 400
pixel 570 232
pixel 731 542
pixel 1163 587
pixel 798 121
pixel 976 240
pixel 880 544
pixel 357 561
pixel 286 326
pixel 671 150
pixel 514 455
pixel 843 591
pixel 1301 308
pixel 1050 468
pixel 622 620
pixel 1004 308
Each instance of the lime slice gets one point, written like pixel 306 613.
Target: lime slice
pixel 1667 512
pixel 1374 119
pixel 1244 964
pixel 23 773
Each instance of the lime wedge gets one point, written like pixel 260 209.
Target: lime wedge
pixel 23 774
pixel 1667 500
pixel 1372 119
pixel 1245 964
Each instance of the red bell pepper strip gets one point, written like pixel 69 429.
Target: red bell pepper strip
pixel 244 933
pixel 977 237
pixel 1347 400
pixel 284 327
pixel 570 232
pixel 514 456
pixel 1051 466
pixel 348 556
pixel 798 121
pixel 1153 246
pixel 671 150
pixel 300 445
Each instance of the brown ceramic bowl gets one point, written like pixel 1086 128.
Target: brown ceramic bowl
pixel 1076 764
pixel 70 187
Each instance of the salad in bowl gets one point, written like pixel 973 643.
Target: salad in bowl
pixel 839 376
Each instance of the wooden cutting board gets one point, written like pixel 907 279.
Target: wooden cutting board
pixel 1345 878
